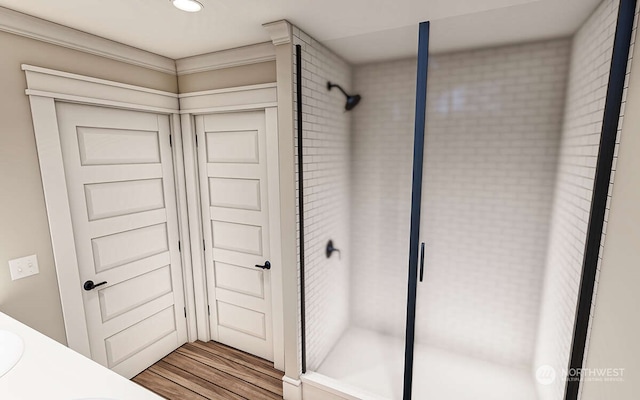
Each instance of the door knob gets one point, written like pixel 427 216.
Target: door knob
pixel 89 285
pixel 267 265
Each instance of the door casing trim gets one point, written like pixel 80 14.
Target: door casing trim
pixel 44 88
pixel 261 97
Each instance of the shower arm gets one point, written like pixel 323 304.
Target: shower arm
pixel 332 85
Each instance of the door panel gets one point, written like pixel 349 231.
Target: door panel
pixel 99 146
pixel 233 184
pixel 134 338
pixel 233 147
pixel 125 247
pixel 241 319
pixel 122 198
pixel 235 193
pixel 239 279
pixel 238 237
pixel 119 173
pixel 134 292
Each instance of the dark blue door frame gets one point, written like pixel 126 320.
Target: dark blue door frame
pixel 303 319
pixel 416 200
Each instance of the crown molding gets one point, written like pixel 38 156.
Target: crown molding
pixel 39 29
pixel 280 31
pixel 245 55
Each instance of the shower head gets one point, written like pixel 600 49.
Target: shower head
pixel 352 101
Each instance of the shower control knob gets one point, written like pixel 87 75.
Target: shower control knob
pixel 267 265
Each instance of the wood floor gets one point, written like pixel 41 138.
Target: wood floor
pixel 212 371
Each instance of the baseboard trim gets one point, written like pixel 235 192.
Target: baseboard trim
pixel 292 388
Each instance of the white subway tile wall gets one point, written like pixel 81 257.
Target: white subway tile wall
pixel 381 173
pixel 326 150
pixel 493 126
pixel 490 164
pixel 588 77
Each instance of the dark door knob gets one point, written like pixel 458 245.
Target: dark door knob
pixel 267 265
pixel 89 285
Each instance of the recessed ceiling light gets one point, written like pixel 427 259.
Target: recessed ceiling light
pixel 188 5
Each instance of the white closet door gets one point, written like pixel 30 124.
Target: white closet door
pixel 233 183
pixel 119 173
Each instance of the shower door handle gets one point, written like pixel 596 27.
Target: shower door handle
pixel 421 261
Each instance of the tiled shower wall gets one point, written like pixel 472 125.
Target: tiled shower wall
pixel 493 126
pixel 381 172
pixel 326 166
pixel 588 77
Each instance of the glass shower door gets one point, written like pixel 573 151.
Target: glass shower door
pixel 355 193
pixel 480 216
pixel 501 210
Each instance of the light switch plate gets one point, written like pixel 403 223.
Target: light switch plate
pixel 23 267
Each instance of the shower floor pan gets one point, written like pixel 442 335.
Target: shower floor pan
pixel 369 365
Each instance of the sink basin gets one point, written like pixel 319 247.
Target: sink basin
pixel 11 349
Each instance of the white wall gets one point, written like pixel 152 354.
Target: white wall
pixel 326 147
pixel 588 77
pixel 493 126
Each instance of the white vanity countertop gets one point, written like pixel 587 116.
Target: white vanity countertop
pixel 51 371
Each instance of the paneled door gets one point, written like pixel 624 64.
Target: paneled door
pixel 233 172
pixel 119 174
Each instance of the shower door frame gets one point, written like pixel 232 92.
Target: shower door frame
pixel 416 205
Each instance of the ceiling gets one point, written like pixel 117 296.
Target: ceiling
pixel 359 30
pixel 537 20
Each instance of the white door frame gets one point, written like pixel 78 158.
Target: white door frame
pixel 245 98
pixel 44 88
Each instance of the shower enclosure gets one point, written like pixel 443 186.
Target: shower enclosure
pixel 451 216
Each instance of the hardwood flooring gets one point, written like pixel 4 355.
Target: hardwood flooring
pixel 211 370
